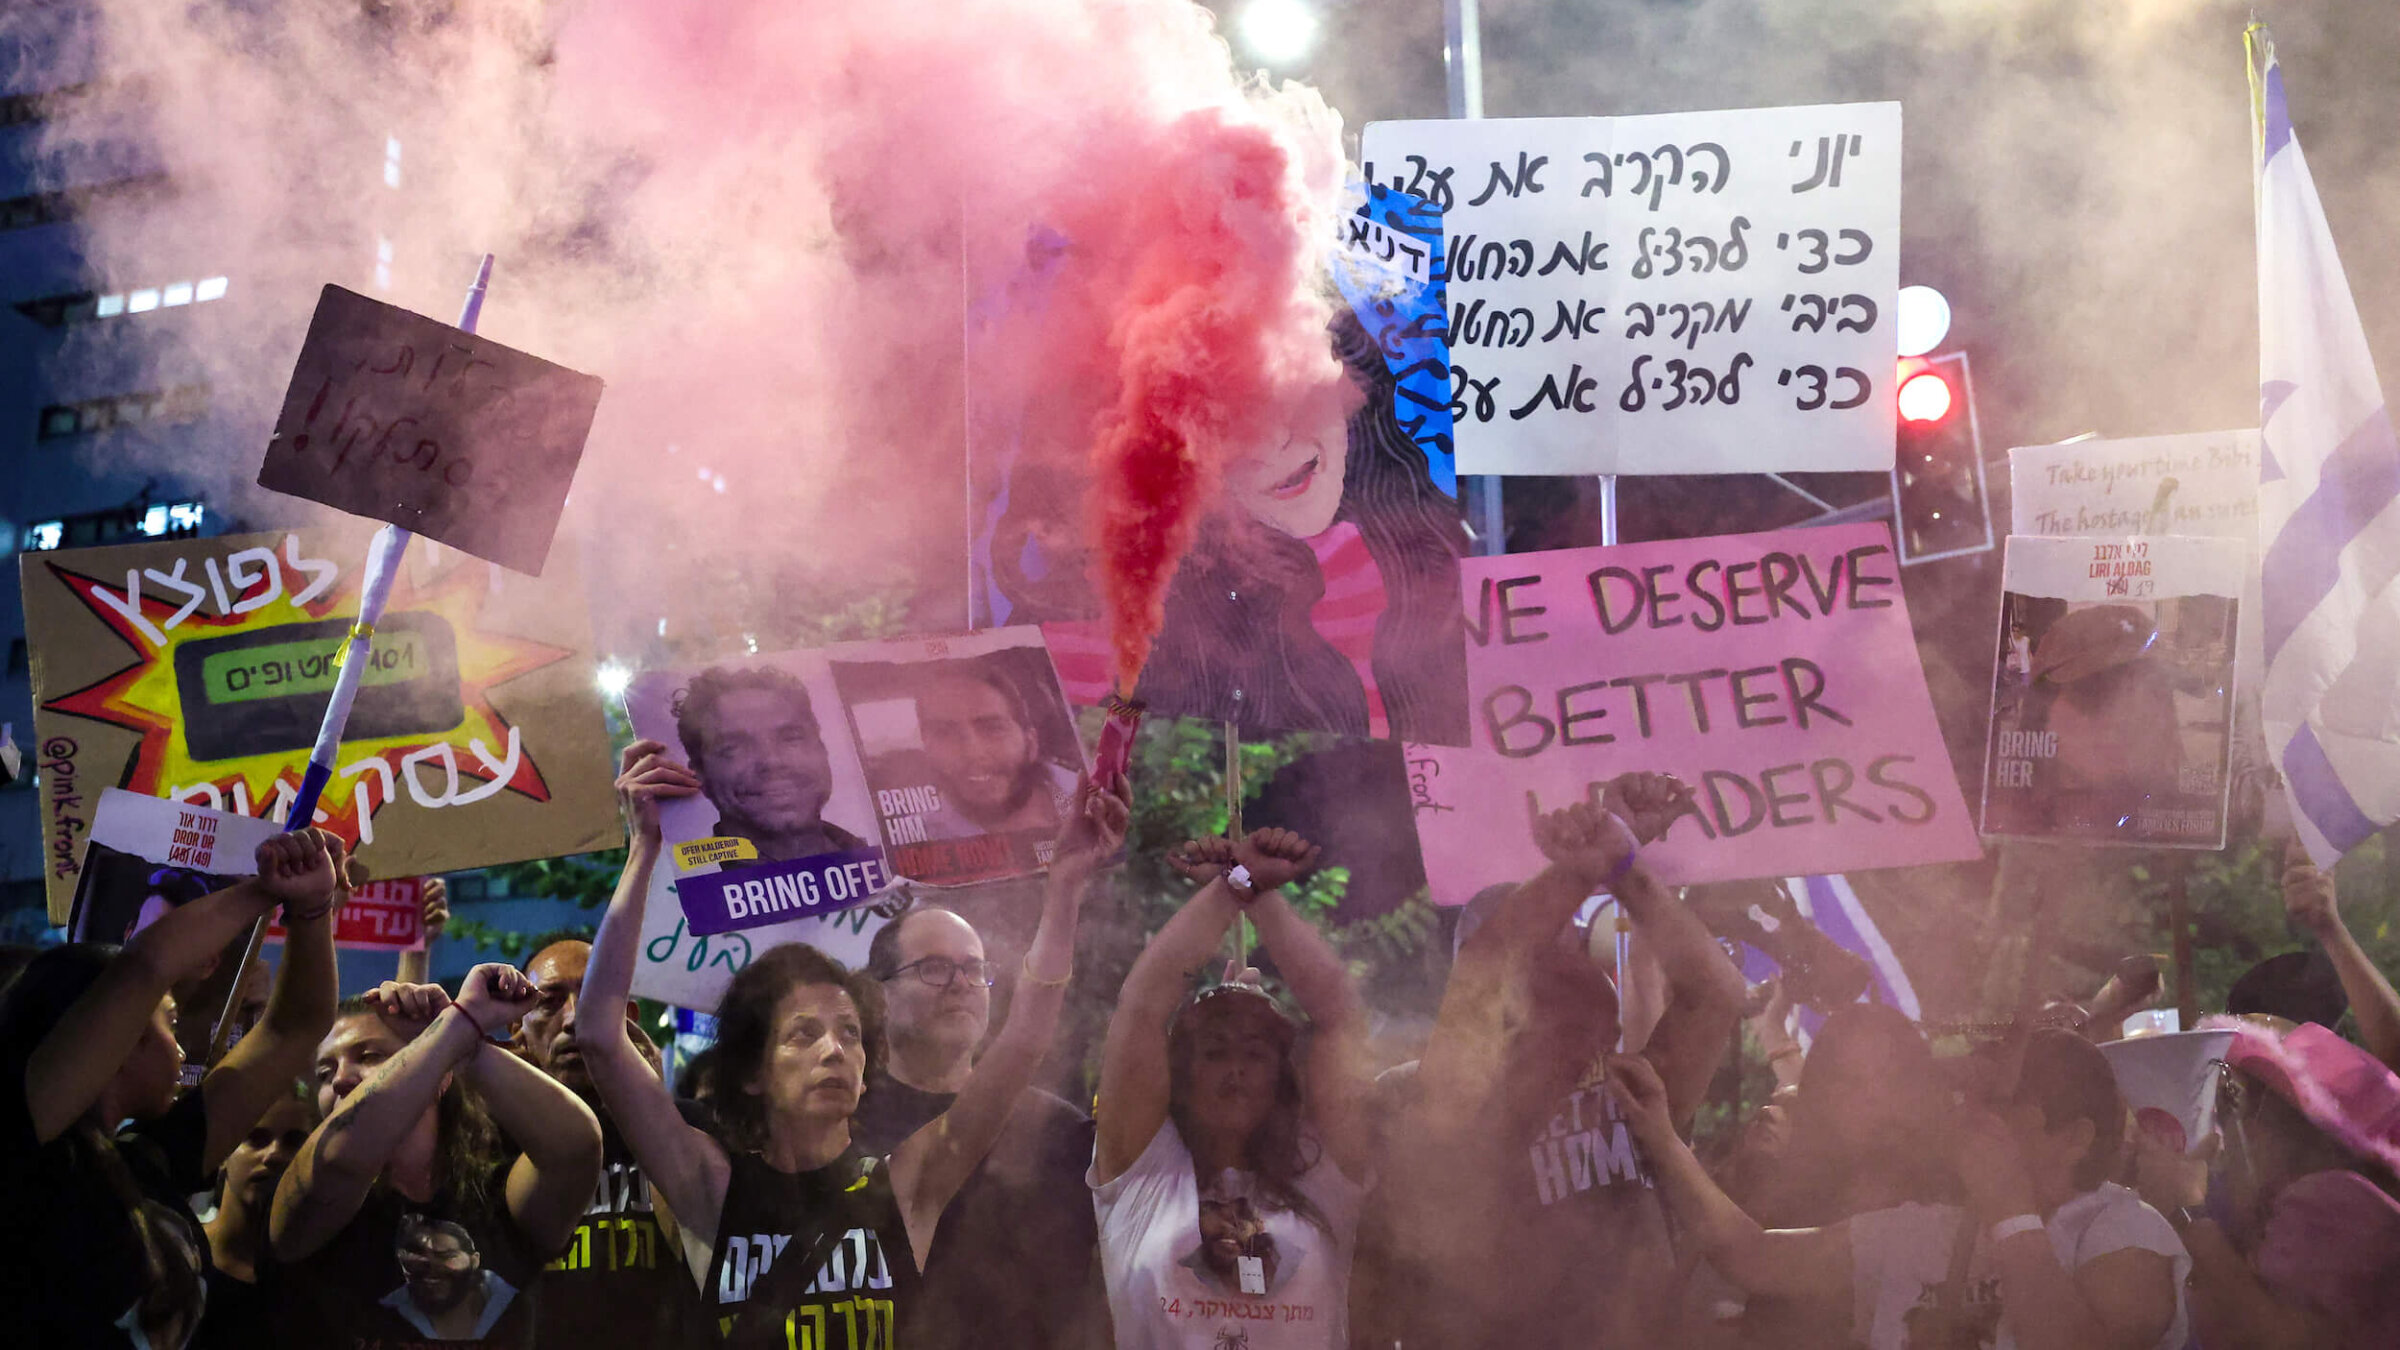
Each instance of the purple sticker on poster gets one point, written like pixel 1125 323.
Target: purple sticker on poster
pixel 778 892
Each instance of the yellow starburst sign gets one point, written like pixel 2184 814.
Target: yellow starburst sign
pixel 199 670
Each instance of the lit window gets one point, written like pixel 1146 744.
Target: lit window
pixel 178 294
pixel 391 161
pixel 211 288
pixel 141 302
pixel 185 515
pixel 61 419
pixel 45 536
pixel 154 521
pixel 110 306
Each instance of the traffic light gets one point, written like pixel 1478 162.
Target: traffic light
pixel 1937 472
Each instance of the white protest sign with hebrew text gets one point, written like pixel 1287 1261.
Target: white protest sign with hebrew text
pixel 1709 292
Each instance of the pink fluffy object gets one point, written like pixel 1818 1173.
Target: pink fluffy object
pixel 2342 1089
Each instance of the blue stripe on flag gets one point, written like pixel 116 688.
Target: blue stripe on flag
pixel 2279 118
pixel 2319 791
pixel 2358 481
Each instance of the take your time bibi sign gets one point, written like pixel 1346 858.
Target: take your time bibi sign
pixel 1776 673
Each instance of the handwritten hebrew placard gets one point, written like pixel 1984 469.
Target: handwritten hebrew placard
pixel 402 418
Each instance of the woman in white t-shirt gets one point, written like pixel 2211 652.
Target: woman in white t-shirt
pixel 1227 1199
pixel 2062 1258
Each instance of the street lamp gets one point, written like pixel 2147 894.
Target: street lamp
pixel 1279 32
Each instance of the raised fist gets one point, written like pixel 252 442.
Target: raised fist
pixel 646 776
pixel 496 995
pixel 1095 825
pixel 1647 802
pixel 1275 858
pixel 301 869
pixel 1584 839
pixel 412 1006
pixel 437 907
pixel 1204 859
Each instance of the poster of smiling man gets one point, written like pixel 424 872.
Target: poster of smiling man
pixel 969 748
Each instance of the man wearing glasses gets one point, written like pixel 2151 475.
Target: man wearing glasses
pixel 1014 1263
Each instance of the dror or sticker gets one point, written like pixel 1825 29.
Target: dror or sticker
pixel 402 418
pixel 712 852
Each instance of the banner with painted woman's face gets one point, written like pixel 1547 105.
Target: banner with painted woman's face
pixel 1322 593
pixel 199 670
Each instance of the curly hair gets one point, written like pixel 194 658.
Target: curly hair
pixel 746 1029
pixel 697 702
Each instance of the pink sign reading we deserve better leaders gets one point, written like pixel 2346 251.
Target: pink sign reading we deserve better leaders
pixel 1775 673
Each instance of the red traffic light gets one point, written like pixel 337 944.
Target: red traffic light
pixel 1925 397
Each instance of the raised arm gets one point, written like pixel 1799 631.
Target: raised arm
pixel 67 1071
pixel 929 1166
pixel 551 1183
pixel 2121 1300
pixel 415 967
pixel 1134 1084
pixel 683 1163
pixel 1341 1078
pixel 311 873
pixel 321 1191
pixel 1704 991
pixel 1791 1262
pixel 2308 897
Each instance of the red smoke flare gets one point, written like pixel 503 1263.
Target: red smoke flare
pixel 1216 254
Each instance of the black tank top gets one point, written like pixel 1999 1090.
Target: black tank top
pixel 813 1260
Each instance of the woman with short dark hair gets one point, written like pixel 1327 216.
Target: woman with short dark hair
pixel 796 1236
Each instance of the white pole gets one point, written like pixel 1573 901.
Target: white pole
pixel 1462 59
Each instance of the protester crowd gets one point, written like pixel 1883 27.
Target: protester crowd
pixel 861 1161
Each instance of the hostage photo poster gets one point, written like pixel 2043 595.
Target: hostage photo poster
pixel 2202 484
pixel 1775 673
pixel 2113 691
pixel 1322 593
pixel 199 670
pixel 830 775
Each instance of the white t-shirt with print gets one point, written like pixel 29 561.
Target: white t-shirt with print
pixel 1900 1259
pixel 1167 1293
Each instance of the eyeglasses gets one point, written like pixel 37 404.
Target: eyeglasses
pixel 938 971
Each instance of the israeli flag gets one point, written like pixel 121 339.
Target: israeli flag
pixel 2329 510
